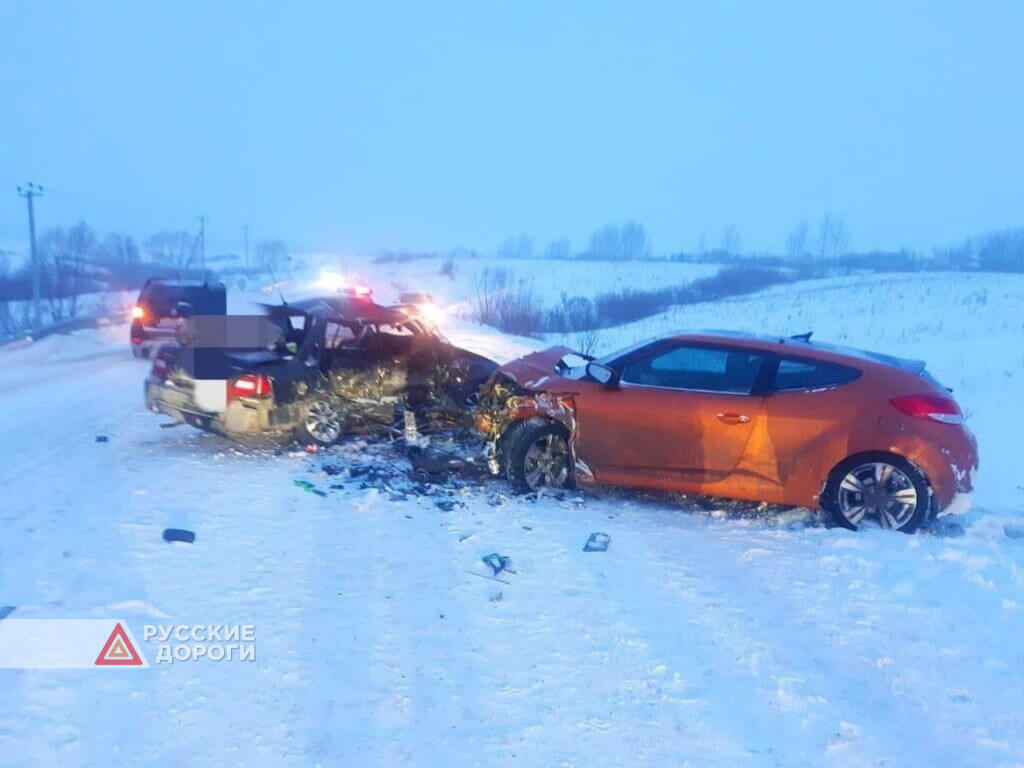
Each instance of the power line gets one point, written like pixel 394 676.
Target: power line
pixel 31 191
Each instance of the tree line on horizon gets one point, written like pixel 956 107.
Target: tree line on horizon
pixel 76 260
pixel 827 244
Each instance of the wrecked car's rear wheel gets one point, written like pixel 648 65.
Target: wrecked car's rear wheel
pixel 322 423
pixel 537 455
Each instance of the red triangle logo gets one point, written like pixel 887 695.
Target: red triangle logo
pixel 118 651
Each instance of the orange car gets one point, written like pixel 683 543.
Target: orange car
pixel 781 420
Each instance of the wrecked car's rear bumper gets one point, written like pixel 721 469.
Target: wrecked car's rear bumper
pixel 243 418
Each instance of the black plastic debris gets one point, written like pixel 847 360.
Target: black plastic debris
pixel 598 542
pixel 179 534
pixel 1014 531
pixel 333 469
pixel 496 562
pixel 101 438
pixel 447 505
pixel 433 466
pixel 6 611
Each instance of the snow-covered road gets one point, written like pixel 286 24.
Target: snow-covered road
pixel 706 635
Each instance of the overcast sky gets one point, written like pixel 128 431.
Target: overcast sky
pixel 351 126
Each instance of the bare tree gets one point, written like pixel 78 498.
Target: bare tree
pixel 271 257
pixel 1002 251
pixel 581 319
pixel 796 243
pixel 120 255
pixel 558 249
pixel 171 249
pixel 730 240
pixel 833 239
pixel 614 242
pixel 489 283
pixel 64 256
pixel 605 243
pixel 633 241
pixel 516 247
pixel 448 268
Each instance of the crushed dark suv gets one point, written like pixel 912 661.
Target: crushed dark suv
pixel 163 305
pixel 314 370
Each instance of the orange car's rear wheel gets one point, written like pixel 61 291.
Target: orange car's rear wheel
pixel 879 487
pixel 536 455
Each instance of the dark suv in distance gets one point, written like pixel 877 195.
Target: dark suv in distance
pixel 162 306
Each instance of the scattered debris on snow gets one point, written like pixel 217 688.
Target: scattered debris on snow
pixel 498 563
pixel 309 487
pixel 1014 531
pixel 179 534
pixel 598 542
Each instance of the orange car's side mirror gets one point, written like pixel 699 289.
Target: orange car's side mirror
pixel 602 374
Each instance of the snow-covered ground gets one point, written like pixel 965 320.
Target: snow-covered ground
pixel 708 634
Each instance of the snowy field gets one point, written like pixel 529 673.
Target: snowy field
pixel 707 635
pixel 547 278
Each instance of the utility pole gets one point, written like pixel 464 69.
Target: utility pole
pixel 245 230
pixel 202 242
pixel 30 191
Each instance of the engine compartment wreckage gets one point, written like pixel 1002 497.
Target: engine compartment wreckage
pixel 513 397
pixel 315 370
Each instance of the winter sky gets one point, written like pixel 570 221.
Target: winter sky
pixel 429 125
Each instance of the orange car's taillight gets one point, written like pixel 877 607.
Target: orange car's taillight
pixel 932 407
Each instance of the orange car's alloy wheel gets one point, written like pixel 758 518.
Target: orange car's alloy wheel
pixel 547 462
pixel 879 490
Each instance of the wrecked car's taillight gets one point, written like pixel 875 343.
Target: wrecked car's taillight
pixel 250 385
pixel 161 368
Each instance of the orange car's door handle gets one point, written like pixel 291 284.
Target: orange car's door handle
pixel 733 418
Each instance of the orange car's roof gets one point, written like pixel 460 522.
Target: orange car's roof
pixel 788 344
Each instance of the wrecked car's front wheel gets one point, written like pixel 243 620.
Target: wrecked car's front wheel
pixel 536 455
pixel 322 423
